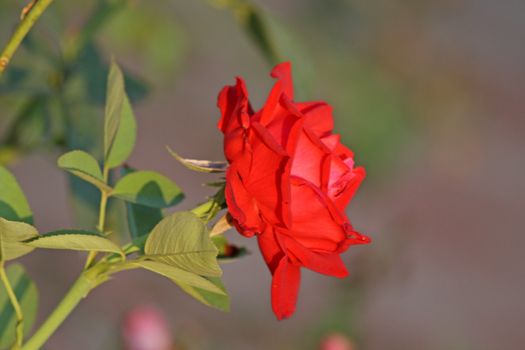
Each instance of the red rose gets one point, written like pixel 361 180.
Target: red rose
pixel 288 183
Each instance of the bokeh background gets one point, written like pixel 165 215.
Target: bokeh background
pixel 429 95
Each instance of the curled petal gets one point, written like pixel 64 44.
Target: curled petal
pixel 342 191
pixel 329 264
pixel 353 238
pixel 235 107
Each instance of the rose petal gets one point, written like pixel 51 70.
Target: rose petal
pixel 270 247
pixel 318 117
pixel 286 276
pixel 331 141
pixel 241 204
pixel 342 191
pixel 271 107
pixel 285 288
pixel 310 160
pixel 316 223
pixel 326 263
pixel 282 123
pixel 354 238
pixel 268 179
pixel 234 144
pixel 283 72
pixel 344 153
pixel 235 107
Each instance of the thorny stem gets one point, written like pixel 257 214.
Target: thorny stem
pixel 21 31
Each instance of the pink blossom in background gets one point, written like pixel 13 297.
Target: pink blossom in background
pixel 336 341
pixel 146 328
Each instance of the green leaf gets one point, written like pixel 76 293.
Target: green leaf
pixel 125 138
pixel 148 188
pixel 178 275
pixel 27 295
pixel 141 219
pixel 12 235
pixel 182 240
pixel 84 166
pixel 218 301
pixel 13 203
pixel 91 71
pixel 114 105
pixel 205 166
pixel 221 243
pixel 74 240
pixel 119 124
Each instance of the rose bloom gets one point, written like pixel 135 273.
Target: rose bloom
pixel 288 182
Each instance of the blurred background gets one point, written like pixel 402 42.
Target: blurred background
pixel 429 95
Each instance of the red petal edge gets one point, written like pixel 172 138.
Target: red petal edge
pixel 285 288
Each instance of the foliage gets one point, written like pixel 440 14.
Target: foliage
pixel 177 246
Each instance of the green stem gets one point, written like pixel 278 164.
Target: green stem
pixel 101 216
pixel 16 306
pixel 21 31
pixel 102 212
pixel 207 210
pixel 202 209
pixel 83 285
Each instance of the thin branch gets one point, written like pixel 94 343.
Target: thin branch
pixel 21 31
pixel 16 306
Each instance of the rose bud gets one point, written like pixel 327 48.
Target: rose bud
pixel 288 183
